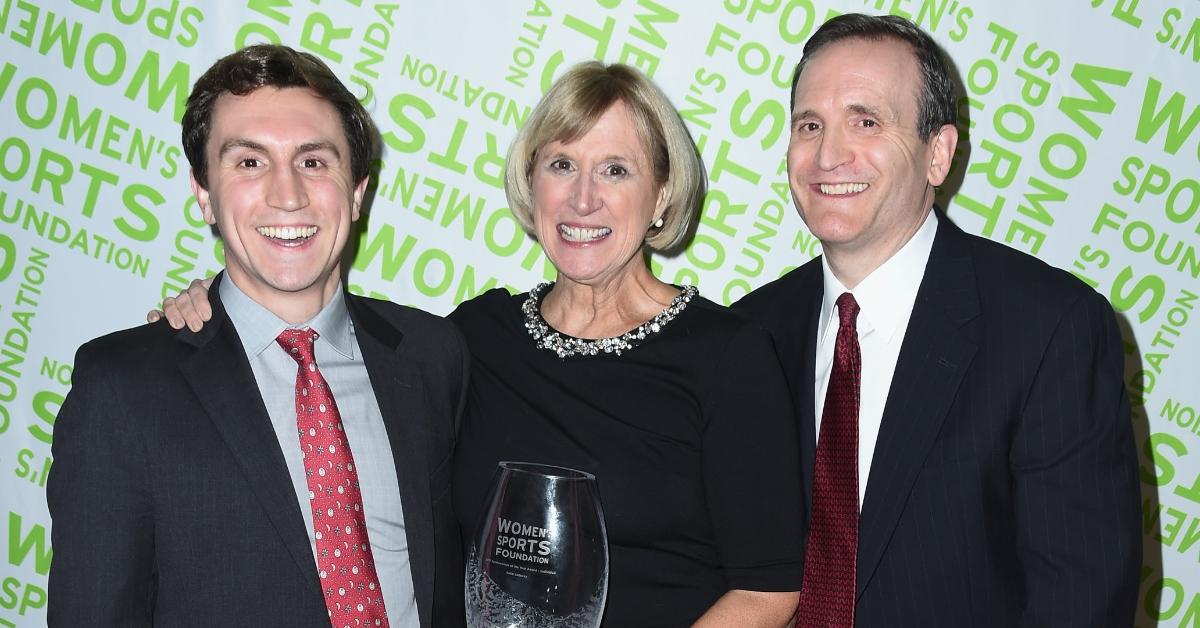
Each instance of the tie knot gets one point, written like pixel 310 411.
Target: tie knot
pixel 847 310
pixel 298 343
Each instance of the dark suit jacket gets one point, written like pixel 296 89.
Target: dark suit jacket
pixel 170 498
pixel 1003 489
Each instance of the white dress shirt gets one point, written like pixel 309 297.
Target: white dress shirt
pixel 885 300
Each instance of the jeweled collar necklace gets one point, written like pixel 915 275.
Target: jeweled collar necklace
pixel 564 346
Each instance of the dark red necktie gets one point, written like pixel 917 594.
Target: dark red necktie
pixel 827 595
pixel 344 560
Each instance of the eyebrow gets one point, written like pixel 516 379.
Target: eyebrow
pixel 629 159
pixel 857 109
pixel 230 145
pixel 320 145
pixel 800 115
pixel 864 110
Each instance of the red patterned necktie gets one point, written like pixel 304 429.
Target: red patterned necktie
pixel 827 595
pixel 344 559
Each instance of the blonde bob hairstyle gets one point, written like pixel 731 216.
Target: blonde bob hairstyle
pixel 573 105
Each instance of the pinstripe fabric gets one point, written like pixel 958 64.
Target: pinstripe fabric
pixel 1003 490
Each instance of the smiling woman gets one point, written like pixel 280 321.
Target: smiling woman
pixel 647 385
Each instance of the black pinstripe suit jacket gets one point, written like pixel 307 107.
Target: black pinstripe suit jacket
pixel 1003 489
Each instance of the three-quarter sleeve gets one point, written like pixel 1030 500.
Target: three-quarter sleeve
pixel 751 466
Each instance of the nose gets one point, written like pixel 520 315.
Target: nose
pixel 585 197
pixel 833 149
pixel 285 190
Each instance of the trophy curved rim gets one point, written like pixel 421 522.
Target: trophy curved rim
pixel 548 470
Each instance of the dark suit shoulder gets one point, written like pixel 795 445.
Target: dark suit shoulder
pixel 1017 277
pixel 137 350
pixel 415 325
pixel 490 303
pixel 403 316
pixel 780 298
pixel 722 320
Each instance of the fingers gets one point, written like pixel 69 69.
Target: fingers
pixel 188 310
pixel 171 309
pixel 197 294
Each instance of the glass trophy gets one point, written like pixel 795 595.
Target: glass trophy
pixel 539 557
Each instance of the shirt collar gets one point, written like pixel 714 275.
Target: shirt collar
pixel 885 296
pixel 258 327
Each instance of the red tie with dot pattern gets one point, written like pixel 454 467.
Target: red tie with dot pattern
pixel 344 560
pixel 827 595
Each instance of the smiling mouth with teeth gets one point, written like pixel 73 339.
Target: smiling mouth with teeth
pixel 288 234
pixel 583 234
pixel 842 188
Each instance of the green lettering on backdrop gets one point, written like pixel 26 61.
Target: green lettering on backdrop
pixel 57 35
pixel 503 243
pixel 24 97
pixel 319 34
pixel 1150 286
pixel 602 35
pixel 1072 145
pixel 467 288
pixel 770 111
pixel 8 253
pixel 28 545
pixel 1163 471
pixel 1043 192
pixel 1088 77
pixel 397 111
pixel 1151 118
pixel 383 243
pixel 92 54
pixel 178 83
pixel 1180 43
pixel 1184 416
pixel 270 8
pixel 718 209
pixel 1124 10
pixel 989 213
pixel 440 264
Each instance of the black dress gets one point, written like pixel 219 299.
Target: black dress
pixel 691 436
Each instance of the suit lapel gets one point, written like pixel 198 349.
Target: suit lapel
pixel 396 381
pixel 938 348
pixel 220 376
pixel 809 292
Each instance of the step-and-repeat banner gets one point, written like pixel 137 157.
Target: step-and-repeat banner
pixel 1084 150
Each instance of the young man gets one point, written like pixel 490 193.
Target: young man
pixel 970 460
pixel 288 464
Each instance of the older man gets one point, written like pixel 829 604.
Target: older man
pixel 970 460
pixel 288 464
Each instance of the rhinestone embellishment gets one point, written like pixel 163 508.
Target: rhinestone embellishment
pixel 567 346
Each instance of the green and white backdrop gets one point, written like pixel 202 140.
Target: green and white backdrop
pixel 1084 150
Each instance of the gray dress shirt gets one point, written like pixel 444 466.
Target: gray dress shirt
pixel 340 361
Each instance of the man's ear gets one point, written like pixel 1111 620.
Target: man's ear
pixel 941 150
pixel 359 191
pixel 202 198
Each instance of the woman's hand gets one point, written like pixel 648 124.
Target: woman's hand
pixel 745 609
pixel 191 307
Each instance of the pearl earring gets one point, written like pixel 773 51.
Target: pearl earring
pixel 658 223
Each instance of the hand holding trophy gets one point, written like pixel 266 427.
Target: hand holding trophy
pixel 539 558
